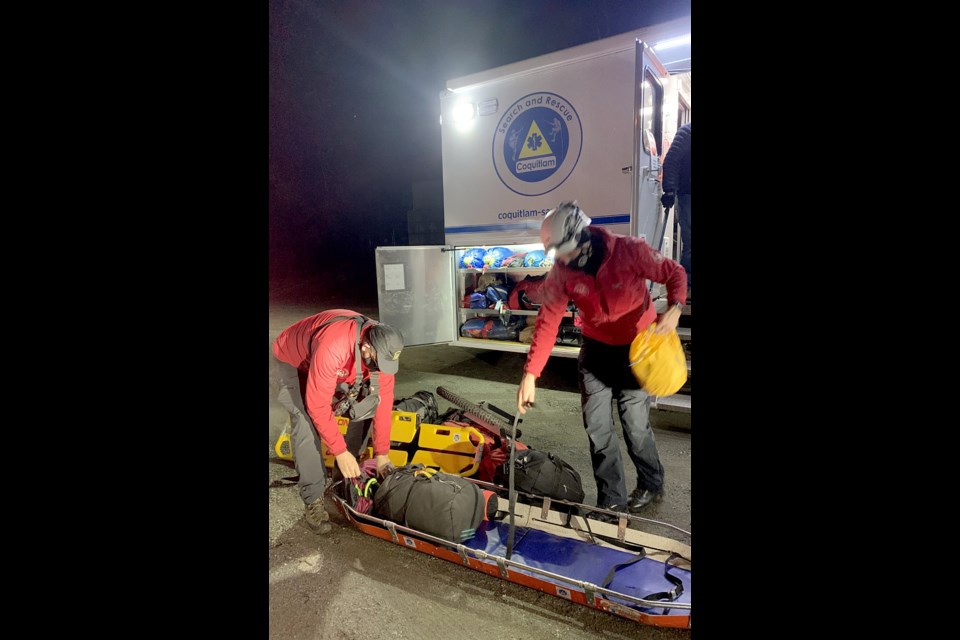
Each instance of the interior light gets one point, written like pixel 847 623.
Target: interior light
pixel 672 42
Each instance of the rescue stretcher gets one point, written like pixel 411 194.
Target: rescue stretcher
pixel 555 549
pixel 626 572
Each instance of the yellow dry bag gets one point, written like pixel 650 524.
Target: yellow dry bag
pixel 658 362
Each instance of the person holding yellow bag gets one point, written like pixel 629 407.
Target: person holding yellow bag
pixel 605 275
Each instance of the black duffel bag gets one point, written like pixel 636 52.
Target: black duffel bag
pixel 440 504
pixel 542 474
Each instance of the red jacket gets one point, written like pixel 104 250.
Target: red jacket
pixel 615 305
pixel 333 349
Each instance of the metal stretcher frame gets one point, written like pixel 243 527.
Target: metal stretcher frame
pixel 677 614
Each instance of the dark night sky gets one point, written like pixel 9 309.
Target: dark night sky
pixel 354 106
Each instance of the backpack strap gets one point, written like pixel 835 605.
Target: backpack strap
pixel 362 321
pixel 557 473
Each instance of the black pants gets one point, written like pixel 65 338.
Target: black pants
pixel 604 376
pixel 304 436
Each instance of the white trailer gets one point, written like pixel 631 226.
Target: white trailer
pixel 588 123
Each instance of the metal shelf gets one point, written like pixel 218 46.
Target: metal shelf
pixel 493 312
pixel 527 270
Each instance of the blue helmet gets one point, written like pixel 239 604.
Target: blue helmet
pixel 534 259
pixel 493 258
pixel 472 259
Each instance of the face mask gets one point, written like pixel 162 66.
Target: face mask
pixel 586 250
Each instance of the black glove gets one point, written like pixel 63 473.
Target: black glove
pixel 667 199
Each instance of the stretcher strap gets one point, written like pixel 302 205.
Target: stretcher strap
pixel 668 596
pixel 637 558
pixel 571 524
pixel 674 593
pixel 511 492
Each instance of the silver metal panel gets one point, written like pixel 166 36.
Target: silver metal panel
pixel 415 293
pixel 517 347
pixel 677 402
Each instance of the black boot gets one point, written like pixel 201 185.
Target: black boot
pixel 640 498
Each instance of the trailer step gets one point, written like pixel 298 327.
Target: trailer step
pixel 508 345
pixel 678 402
pixel 558 350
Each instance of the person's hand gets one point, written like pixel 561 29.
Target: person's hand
pixel 384 466
pixel 668 321
pixel 667 200
pixel 348 465
pixel 527 392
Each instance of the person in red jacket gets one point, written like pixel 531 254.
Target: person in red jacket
pixel 605 274
pixel 315 367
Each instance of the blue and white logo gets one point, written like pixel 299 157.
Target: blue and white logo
pixel 537 143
